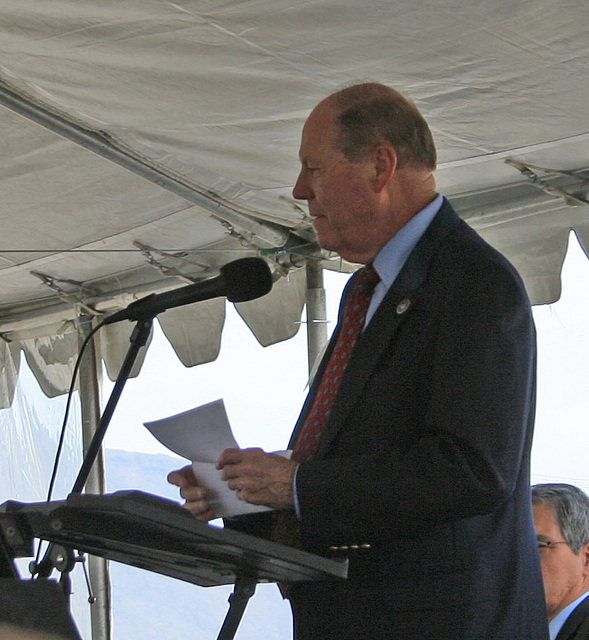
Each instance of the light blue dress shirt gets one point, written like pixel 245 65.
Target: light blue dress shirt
pixel 391 258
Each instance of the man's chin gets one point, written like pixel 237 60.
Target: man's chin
pixel 325 236
pixel 326 243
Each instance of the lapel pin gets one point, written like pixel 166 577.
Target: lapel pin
pixel 403 306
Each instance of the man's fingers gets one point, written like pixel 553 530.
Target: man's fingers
pixel 229 457
pixel 182 477
pixel 194 495
pixel 238 456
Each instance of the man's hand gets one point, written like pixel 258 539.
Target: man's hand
pixel 259 477
pixel 192 492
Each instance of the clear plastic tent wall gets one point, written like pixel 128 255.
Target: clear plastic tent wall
pixel 29 432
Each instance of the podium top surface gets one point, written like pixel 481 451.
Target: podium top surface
pixel 157 534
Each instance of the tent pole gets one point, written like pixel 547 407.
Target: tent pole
pixel 90 376
pixel 316 312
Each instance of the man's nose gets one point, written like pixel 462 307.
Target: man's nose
pixel 302 190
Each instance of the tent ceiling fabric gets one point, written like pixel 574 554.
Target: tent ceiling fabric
pixel 208 98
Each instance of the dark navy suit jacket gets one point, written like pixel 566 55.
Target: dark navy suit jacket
pixel 422 474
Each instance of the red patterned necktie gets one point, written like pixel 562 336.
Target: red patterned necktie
pixel 351 327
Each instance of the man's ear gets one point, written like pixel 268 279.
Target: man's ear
pixel 384 158
pixel 585 553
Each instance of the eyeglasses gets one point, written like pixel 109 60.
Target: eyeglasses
pixel 548 544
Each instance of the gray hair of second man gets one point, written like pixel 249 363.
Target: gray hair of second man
pixel 571 506
pixel 372 114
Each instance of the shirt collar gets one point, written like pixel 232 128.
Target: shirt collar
pixel 391 258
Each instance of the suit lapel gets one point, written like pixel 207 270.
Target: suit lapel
pixel 395 309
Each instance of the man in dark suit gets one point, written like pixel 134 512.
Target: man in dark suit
pixel 561 518
pixel 411 455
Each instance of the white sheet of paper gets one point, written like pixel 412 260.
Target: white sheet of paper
pixel 201 435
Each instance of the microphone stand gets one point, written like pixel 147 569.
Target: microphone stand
pixel 51 559
pixel 138 340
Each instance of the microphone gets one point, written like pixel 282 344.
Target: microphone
pixel 240 281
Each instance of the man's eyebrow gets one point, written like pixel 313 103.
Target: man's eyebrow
pixel 543 537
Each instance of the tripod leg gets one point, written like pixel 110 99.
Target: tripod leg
pixel 243 591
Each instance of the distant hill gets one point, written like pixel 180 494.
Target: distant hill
pixel 149 606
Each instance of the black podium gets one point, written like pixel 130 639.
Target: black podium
pixel 158 535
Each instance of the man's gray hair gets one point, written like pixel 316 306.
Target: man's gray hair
pixel 571 506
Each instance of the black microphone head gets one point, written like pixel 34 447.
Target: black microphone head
pixel 246 279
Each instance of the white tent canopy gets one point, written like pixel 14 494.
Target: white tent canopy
pixel 146 143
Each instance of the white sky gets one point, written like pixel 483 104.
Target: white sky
pixel 264 388
pixel 561 444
